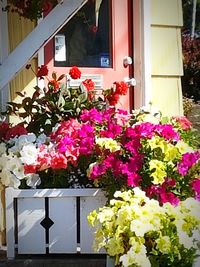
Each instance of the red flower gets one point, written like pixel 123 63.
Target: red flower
pixel 75 73
pixel 47 6
pixel 121 88
pixel 89 84
pixel 94 29
pixel 15 131
pixel 58 161
pixel 30 169
pixel 113 99
pixel 4 127
pixel 42 71
pixel 55 84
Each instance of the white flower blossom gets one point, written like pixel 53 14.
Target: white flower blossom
pixel 29 154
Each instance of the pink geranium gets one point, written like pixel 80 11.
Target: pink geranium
pixel 58 161
pixel 184 123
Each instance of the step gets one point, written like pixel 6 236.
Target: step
pixel 56 261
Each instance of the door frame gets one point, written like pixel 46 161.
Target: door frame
pixel 142 52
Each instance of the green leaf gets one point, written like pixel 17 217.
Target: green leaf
pixel 83 97
pixel 61 101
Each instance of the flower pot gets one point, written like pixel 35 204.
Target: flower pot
pixel 49 221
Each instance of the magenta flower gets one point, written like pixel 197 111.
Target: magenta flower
pixel 97 171
pixel 187 161
pixel 86 146
pixel 145 129
pixel 112 131
pixel 133 179
pixel 86 130
pixel 65 143
pixel 133 146
pixel 196 187
pixel 169 197
pixel 92 115
pixel 167 131
pixel 131 133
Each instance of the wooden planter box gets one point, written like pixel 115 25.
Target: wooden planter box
pixel 49 221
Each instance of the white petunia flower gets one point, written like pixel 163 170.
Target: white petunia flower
pixel 22 140
pixel 9 179
pixel 29 154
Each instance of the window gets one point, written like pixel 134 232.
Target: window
pixel 85 41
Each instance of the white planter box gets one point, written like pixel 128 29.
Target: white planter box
pixel 42 221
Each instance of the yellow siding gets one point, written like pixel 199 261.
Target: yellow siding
pixel 167 12
pixel 167 95
pixel 166 51
pixel 19 28
pixel 166 55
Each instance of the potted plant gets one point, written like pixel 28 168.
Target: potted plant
pixel 51 149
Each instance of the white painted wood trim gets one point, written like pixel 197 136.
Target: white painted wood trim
pixel 10 236
pixel 63 233
pixel 53 192
pixel 40 61
pixel 30 233
pixel 138 55
pixel 44 31
pixel 4 44
pixel 146 44
pixel 142 52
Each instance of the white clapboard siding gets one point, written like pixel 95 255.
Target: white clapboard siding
pixel 62 234
pixel 31 235
pixel 88 204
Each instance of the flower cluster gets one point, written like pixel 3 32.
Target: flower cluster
pixel 148 166
pixel 114 150
pixel 55 114
pixel 136 231
pixel 59 101
pixel 142 150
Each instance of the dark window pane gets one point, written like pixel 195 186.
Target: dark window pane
pixel 85 41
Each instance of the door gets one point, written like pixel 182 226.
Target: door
pixel 104 29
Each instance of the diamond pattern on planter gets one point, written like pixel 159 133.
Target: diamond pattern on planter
pixel 47 223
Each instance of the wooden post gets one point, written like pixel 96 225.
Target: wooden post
pixel 2 203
